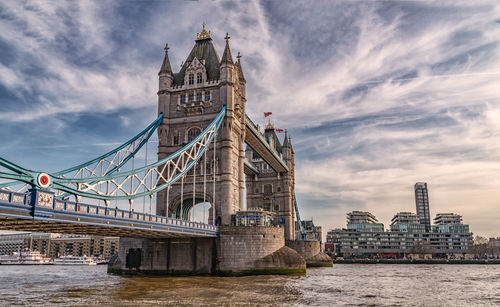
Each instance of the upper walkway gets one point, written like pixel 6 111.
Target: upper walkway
pixel 255 139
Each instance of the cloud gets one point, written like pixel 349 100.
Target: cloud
pixel 376 94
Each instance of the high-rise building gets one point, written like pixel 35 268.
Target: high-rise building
pixel 422 204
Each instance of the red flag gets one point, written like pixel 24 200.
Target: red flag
pixel 279 130
pixel 266 114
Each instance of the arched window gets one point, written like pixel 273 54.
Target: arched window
pixel 191 79
pixel 192 133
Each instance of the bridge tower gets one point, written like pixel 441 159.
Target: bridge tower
pixel 271 190
pixel 189 101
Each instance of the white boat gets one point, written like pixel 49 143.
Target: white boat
pixel 27 257
pixel 75 260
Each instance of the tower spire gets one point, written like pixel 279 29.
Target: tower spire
pixel 227 58
pixel 165 67
pixel 240 70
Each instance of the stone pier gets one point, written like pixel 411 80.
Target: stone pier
pixel 238 251
pixel 311 252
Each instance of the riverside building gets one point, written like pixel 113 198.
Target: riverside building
pixel 54 245
pixel 407 237
pixel 422 204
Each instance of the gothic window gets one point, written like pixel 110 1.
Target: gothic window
pixel 279 189
pixel 176 138
pixel 207 96
pixel 199 97
pixel 199 78
pixel 191 79
pixel 183 99
pixel 193 133
pixel 268 189
pixel 191 97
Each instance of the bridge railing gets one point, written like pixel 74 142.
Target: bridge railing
pixel 24 199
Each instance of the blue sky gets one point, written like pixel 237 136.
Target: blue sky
pixel 377 95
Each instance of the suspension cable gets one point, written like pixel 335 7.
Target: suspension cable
pixel 132 178
pixel 213 174
pixel 182 194
pixel 204 184
pixel 144 187
pixel 194 190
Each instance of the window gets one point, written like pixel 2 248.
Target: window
pixel 191 97
pixel 207 96
pixel 199 78
pixel 176 138
pixel 268 189
pixel 191 79
pixel 183 99
pixel 193 133
pixel 199 97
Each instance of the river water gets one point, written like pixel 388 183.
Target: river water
pixel 342 285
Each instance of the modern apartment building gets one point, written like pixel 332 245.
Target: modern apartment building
pixel 406 222
pixel 363 221
pixel 405 237
pixel 422 204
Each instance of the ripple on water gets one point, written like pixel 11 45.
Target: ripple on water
pixel 342 285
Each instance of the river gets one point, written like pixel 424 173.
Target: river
pixel 342 285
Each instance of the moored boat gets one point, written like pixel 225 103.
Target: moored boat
pixel 26 257
pixel 75 260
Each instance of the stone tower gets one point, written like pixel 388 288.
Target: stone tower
pixel 189 101
pixel 270 190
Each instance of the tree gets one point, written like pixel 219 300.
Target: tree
pixel 422 247
pixel 479 246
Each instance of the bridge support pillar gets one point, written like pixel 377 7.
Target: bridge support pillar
pixel 237 251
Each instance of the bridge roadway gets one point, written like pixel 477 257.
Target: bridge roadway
pixel 39 211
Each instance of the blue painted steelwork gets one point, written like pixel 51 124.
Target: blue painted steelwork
pixel 198 145
pixel 299 222
pixel 29 176
pixel 60 214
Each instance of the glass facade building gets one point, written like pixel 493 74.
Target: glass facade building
pixel 422 204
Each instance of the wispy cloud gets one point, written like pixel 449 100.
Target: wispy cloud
pixel 376 94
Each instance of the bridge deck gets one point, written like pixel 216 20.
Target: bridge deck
pixel 20 211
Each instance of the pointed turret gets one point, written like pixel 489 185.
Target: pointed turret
pixel 166 75
pixel 227 58
pixel 286 141
pixel 165 67
pixel 238 66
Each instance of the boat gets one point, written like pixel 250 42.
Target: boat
pixel 26 257
pixel 75 260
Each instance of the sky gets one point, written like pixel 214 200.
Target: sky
pixel 376 95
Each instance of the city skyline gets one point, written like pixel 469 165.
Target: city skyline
pixel 376 95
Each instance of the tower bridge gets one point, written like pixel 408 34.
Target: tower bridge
pixel 209 152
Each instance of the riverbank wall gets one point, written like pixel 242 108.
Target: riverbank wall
pixel 419 261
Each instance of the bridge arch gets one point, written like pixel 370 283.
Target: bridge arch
pixel 188 206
